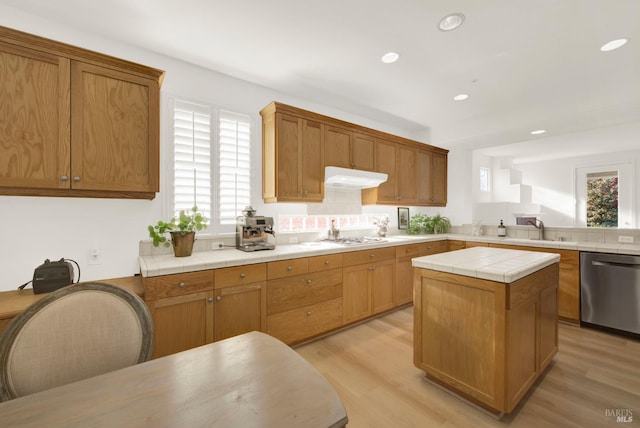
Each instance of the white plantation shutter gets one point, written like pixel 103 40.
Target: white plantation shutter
pixel 235 165
pixel 203 156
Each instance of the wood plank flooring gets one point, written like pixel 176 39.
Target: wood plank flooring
pixel 594 376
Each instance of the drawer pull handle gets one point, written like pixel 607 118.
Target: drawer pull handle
pixel 64 178
pixel 218 298
pixel 76 178
pixel 372 255
pixel 308 281
pixel 309 313
pixel 210 299
pixel 326 262
pixel 181 285
pixel 242 275
pixel 289 268
pixel 408 250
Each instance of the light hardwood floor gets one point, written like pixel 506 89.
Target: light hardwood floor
pixel 371 367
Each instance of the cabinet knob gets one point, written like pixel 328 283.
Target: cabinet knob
pixel 308 281
pixel 218 298
pixel 372 268
pixel 372 255
pixel 289 268
pixel 326 263
pixel 242 275
pixel 64 178
pixel 181 285
pixel 398 197
pixel 353 165
pixel 210 299
pixel 76 178
pixel 408 250
pixel 309 313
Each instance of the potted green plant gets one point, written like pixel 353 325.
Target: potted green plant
pixel 418 224
pixel 182 229
pixel 439 224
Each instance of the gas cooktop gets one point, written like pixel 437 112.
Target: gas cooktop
pixel 356 240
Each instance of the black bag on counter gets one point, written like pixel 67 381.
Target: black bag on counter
pixel 50 276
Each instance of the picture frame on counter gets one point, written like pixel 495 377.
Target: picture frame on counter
pixel 403 218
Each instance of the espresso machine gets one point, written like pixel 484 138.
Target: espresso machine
pixel 252 231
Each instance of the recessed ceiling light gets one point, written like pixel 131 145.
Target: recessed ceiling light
pixel 390 57
pixel 461 97
pixel 538 132
pixel 451 22
pixel 613 44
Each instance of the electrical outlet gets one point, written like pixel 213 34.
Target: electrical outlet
pixel 95 258
pixel 625 239
pixel 293 240
pixel 217 245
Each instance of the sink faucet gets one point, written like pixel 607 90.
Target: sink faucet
pixel 539 226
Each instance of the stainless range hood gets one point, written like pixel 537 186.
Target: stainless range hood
pixel 353 178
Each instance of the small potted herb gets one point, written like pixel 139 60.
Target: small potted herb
pixel 182 229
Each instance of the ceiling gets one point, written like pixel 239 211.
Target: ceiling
pixel 525 64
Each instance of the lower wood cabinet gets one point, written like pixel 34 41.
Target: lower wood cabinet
pixel 181 306
pixel 181 322
pixel 240 309
pixel 302 323
pixel 369 288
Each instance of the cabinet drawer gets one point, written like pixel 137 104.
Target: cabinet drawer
pixel 324 263
pixel 287 268
pixel 366 256
pixel 435 247
pixel 284 294
pixel 159 287
pixel 238 275
pixel 303 323
pixel 408 251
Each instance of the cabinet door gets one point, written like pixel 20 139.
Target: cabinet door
pixel 287 135
pixel 404 281
pixel 424 170
pixel 356 294
pixel 362 152
pixel 311 162
pixel 382 278
pixel 181 323
pixel 407 175
pixel 386 163
pixel 337 147
pixel 34 119
pixel 439 179
pixel 240 309
pixel 115 130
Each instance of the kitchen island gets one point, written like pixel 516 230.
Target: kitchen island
pixel 485 322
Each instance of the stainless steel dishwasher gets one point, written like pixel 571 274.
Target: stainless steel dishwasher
pixel 610 291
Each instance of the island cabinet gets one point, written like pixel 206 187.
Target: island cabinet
pixel 293 168
pixel 304 297
pixel 569 287
pixel 369 283
pixel 240 300
pixel 182 309
pixel 488 341
pixel 76 123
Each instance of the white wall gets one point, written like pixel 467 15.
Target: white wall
pixel 38 228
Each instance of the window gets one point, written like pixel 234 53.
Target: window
pixel 602 199
pixel 604 196
pixel 211 162
pixel 485 179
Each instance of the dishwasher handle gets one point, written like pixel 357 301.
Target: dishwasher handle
pixel 616 264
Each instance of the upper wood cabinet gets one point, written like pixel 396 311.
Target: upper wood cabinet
pixel 75 122
pixel 432 178
pixel 348 149
pixel 292 152
pixel 294 155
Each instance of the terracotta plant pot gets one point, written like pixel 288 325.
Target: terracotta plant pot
pixel 182 243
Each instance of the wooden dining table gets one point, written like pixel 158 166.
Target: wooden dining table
pixel 251 380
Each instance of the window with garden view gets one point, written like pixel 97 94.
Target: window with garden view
pixel 602 199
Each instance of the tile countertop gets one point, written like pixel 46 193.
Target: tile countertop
pixel 167 264
pixel 494 264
